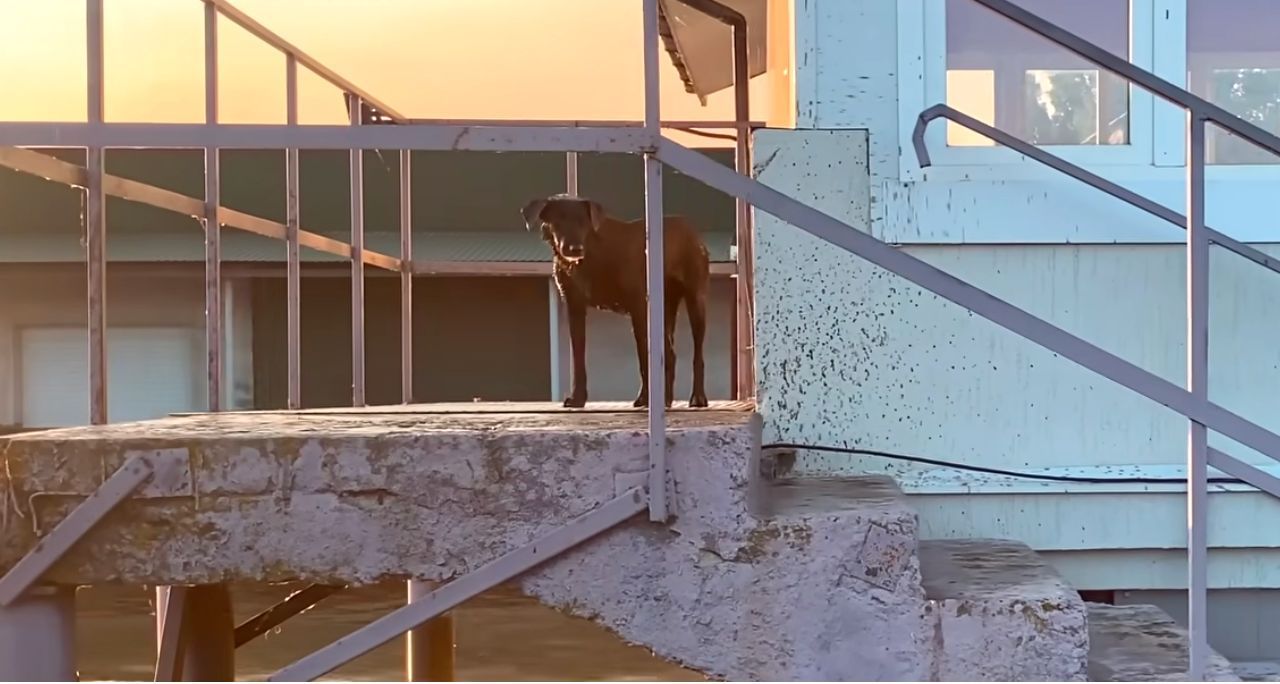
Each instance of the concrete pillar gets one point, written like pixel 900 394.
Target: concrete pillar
pixel 38 636
pixel 209 627
pixel 429 649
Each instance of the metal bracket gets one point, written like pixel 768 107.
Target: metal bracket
pixel 160 466
pixel 449 596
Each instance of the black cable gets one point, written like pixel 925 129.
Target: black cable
pixel 997 471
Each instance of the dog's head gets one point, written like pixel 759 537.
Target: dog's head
pixel 566 223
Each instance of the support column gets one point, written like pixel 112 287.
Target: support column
pixel 208 639
pixel 429 649
pixel 38 636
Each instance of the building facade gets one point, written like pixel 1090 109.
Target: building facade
pixel 853 356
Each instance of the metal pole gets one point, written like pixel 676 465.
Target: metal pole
pixel 293 287
pixel 656 275
pixel 553 334
pixel 1197 384
pixel 208 632
pixel 429 649
pixel 38 636
pixel 96 224
pixel 406 278
pixel 212 228
pixel 745 259
pixel 357 261
pixel 555 307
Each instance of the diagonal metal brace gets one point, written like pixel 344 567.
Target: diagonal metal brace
pixel 82 520
pixel 490 575
pixel 294 604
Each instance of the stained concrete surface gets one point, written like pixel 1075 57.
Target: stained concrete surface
pixel 1000 613
pixel 1141 643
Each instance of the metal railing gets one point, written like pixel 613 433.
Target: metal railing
pixel 1198 238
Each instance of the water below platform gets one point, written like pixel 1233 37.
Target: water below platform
pixel 501 635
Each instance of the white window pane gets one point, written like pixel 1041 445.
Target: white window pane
pixel 1041 93
pixel 1233 60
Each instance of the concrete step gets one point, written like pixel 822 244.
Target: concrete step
pixel 999 612
pixel 1141 643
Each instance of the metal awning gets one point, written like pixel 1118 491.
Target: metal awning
pixel 701 47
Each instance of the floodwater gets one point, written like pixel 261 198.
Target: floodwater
pixel 501 636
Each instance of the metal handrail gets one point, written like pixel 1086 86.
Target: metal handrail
pixel 942 111
pixel 1102 57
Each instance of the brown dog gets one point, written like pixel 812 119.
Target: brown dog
pixel 600 263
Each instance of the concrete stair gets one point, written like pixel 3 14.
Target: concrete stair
pixel 990 609
pixel 1140 643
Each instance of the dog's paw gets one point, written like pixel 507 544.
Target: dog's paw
pixel 698 401
pixel 642 399
pixel 575 402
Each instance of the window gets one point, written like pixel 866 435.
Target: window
pixel 1233 60
pixel 1011 78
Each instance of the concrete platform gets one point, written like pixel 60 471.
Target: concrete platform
pixel 352 496
pixel 998 612
pixel 1141 643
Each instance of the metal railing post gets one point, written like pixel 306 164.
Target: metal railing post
pixel 357 260
pixel 406 278
pixel 656 274
pixel 1197 384
pixel 293 221
pixel 96 222
pixel 212 228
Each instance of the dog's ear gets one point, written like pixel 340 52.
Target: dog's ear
pixel 595 213
pixel 533 214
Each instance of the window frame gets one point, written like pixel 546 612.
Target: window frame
pixel 922 70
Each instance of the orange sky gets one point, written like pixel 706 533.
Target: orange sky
pixel 428 58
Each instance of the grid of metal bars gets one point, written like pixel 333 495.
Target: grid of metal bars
pixel 1191 402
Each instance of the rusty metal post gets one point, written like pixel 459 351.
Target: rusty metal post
pixel 207 632
pixel 293 265
pixel 429 649
pixel 357 261
pixel 406 277
pixel 38 636
pixel 96 223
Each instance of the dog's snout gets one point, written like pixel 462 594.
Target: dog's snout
pixel 573 250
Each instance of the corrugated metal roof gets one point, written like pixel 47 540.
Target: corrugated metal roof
pixel 237 245
pixel 701 47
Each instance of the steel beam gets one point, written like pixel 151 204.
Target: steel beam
pixel 195 633
pixel 95 218
pixel 655 257
pixel 429 649
pixel 38 636
pixel 293 257
pixel 357 263
pixel 213 309
pixel 453 594
pixel 294 604
pixel 974 299
pixel 406 278
pixel 329 137
pixel 1197 385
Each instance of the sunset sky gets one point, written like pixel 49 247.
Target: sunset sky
pixel 428 58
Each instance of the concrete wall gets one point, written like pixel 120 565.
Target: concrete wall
pixel 851 355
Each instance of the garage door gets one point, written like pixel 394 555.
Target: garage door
pixel 150 372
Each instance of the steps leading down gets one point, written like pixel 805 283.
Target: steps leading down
pixel 981 610
pixel 1142 643
pixel 1000 613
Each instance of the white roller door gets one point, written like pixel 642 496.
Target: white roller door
pixel 150 372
